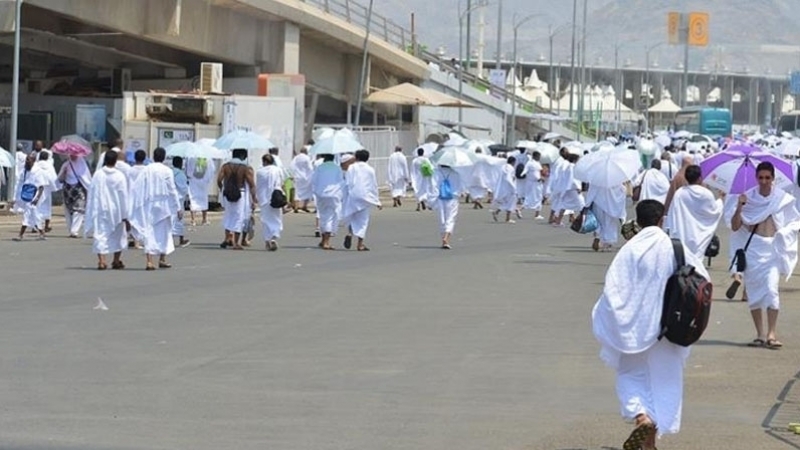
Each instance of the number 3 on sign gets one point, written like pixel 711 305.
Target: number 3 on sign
pixel 698 29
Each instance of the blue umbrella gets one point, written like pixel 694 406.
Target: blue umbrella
pixel 243 139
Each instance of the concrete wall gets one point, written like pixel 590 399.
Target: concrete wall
pixel 492 114
pixel 242 86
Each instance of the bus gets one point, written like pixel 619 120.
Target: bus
pixel 789 123
pixel 705 120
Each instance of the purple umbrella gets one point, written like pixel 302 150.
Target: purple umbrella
pixel 733 170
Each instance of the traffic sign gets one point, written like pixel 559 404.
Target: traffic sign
pixel 698 29
pixel 794 84
pixel 674 28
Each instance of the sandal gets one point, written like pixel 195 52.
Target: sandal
pixel 118 265
pixel 363 249
pixel 150 267
pixel 639 436
pixel 758 342
pixel 348 241
pixel 731 292
pixel 774 344
pixel 164 265
pixel 596 244
pixel 102 266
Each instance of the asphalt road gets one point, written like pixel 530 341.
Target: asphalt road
pixel 487 346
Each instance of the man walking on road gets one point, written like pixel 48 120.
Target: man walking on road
pixel 626 321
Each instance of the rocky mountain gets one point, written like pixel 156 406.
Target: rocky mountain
pixel 739 30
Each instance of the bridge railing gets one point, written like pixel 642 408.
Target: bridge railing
pixel 356 14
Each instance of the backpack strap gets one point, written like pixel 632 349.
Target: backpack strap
pixel 677 247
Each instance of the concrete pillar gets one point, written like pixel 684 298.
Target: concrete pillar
pixel 637 92
pixel 752 110
pixel 704 89
pixel 658 87
pixel 767 104
pixel 727 92
pixel 279 46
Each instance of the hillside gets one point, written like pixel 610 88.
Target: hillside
pixel 738 27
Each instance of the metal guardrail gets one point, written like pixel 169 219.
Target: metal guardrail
pixel 356 14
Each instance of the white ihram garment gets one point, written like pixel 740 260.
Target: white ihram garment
pixel 626 320
pixel 654 185
pixel 693 218
pixel 398 173
pixel 362 193
pixel 770 257
pixel 199 186
pixel 485 175
pixel 153 205
pixel 45 204
pixel 421 184
pixel 328 186
pixel 107 208
pixel 237 214
pixel 505 192
pixel 30 212
pixel 302 169
pixel 534 188
pixel 269 179
pixel 571 199
pixel 608 205
pixel 447 209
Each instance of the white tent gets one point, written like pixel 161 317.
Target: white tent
pixel 665 106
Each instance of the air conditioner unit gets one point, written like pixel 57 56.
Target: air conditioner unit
pixel 211 77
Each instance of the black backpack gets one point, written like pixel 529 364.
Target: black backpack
pixel 713 247
pixel 687 303
pixel 277 199
pixel 518 172
pixel 231 189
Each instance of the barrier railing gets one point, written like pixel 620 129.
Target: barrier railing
pixel 356 14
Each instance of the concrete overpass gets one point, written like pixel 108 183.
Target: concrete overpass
pixel 86 40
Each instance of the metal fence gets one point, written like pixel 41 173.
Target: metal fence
pixel 356 14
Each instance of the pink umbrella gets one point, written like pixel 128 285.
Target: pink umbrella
pixel 72 145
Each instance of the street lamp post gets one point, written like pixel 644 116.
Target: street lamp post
pixel 620 89
pixel 572 63
pixel 647 82
pixel 583 72
pixel 15 94
pixel 512 131
pixel 461 16
pixel 551 79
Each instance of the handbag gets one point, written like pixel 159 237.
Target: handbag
pixel 586 222
pixel 629 229
pixel 740 258
pixel 637 190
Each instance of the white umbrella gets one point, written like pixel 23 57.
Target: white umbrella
pixel 549 152
pixel 6 160
pixel 789 147
pixel 663 141
pixel 603 145
pixel 647 147
pixel 574 147
pixel 528 145
pixel 683 134
pixel 608 168
pixel 550 135
pixel 428 148
pixel 322 133
pixel 240 139
pixel 341 141
pixel 211 152
pixel 454 157
pixel 455 140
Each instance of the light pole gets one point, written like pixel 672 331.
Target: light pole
pixel 551 78
pixel 499 33
pixel 15 94
pixel 572 64
pixel 461 15
pixel 512 131
pixel 647 82
pixel 363 67
pixel 583 72
pixel 620 89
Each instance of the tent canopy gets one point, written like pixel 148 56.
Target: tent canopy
pixel 410 94
pixel 665 106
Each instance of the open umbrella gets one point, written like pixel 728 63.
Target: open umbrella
pixel 210 151
pixel 789 147
pixel 340 141
pixel 733 170
pixel 528 145
pixel 608 168
pixel 428 148
pixel 240 139
pixel 6 160
pixel 549 152
pixel 454 157
pixel 187 149
pixel 72 145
